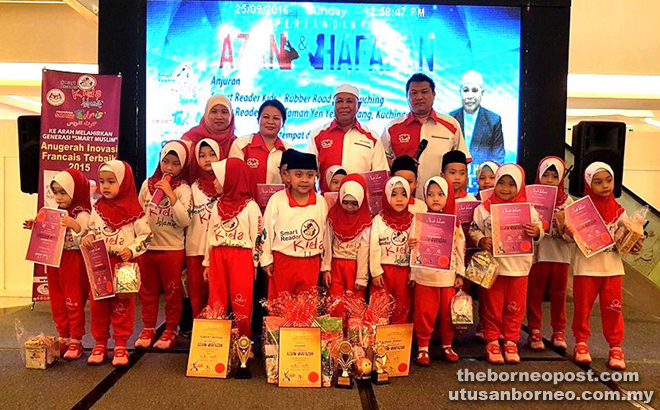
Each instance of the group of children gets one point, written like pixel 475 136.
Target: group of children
pixel 209 222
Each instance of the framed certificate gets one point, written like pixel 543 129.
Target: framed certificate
pixel 375 185
pixel 398 339
pixel 591 233
pixel 47 238
pixel 209 349
pixel 435 233
pixel 300 357
pixel 509 237
pixel 542 198
pixel 99 271
pixel 265 191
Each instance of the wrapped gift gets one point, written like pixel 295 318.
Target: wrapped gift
pixel 209 344
pixel 332 335
pixel 270 346
pixel 630 232
pixel 41 351
pixel 127 278
pixel 559 221
pixel 363 318
pixel 482 269
pixel 462 316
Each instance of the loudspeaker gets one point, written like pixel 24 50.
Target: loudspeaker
pixel 29 135
pixel 597 141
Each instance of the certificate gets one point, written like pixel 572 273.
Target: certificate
pixel 375 185
pixel 300 357
pixel 509 237
pixel 209 348
pixel 47 238
pixel 398 339
pixel 435 233
pixel 591 233
pixel 543 198
pixel 486 194
pixel 331 198
pixel 465 215
pixel 265 191
pixel 99 270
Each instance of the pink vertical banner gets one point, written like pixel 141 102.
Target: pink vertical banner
pixel 79 129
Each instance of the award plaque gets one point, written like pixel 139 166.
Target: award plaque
pixel 243 349
pixel 380 360
pixel 345 361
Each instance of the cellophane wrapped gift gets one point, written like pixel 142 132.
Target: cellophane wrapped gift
pixel 363 318
pixel 631 231
pixel 287 310
pixel 462 316
pixel 127 278
pixel 482 269
pixel 41 351
pixel 331 336
pixel 219 313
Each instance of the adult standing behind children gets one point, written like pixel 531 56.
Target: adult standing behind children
pixel 217 123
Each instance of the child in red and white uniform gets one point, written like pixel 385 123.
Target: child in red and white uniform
pixel 204 197
pixel 551 263
pixel 454 170
pixel 333 177
pixel 294 227
pixel 345 264
pixel 434 289
pixel 600 275
pixel 504 303
pixel 163 263
pixel 390 247
pixel 118 219
pixel 232 253
pixel 68 285
pixel 406 167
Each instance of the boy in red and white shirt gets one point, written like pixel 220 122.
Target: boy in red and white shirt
pixel 294 228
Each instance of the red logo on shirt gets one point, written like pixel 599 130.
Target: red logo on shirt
pixel 309 229
pixel 326 144
pixel 404 138
pixel 252 162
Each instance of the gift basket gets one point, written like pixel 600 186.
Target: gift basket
pixel 482 269
pixel 631 231
pixel 462 316
pixel 37 352
pixel 127 278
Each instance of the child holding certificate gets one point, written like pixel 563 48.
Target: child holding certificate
pixel 345 264
pixel 232 252
pixel 504 303
pixel 600 275
pixel 486 176
pixel 433 288
pixel 163 263
pixel 204 197
pixel 454 170
pixel 294 227
pixel 405 167
pixel 550 269
pixel 68 285
pixel 118 219
pixel 390 247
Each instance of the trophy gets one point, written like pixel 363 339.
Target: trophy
pixel 243 348
pixel 345 360
pixel 380 359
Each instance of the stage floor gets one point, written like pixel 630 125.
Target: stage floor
pixel 157 380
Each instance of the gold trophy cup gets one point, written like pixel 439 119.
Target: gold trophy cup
pixel 243 348
pixel 380 359
pixel 346 360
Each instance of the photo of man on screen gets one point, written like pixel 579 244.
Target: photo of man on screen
pixel 482 128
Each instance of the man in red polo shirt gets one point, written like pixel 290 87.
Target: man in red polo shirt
pixel 443 133
pixel 345 141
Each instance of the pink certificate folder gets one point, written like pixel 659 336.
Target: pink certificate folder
pixel 465 215
pixel 47 238
pixel 375 185
pixel 99 270
pixel 591 233
pixel 543 198
pixel 265 191
pixel 509 237
pixel 436 241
